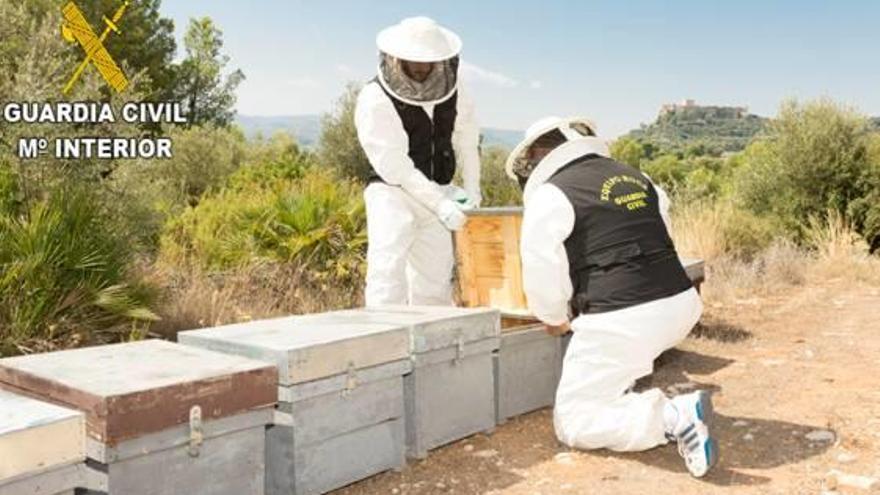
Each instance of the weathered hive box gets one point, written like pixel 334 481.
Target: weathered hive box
pixel 341 412
pixel 42 447
pixel 528 365
pixel 161 418
pixel 450 392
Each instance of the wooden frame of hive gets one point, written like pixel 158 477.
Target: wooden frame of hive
pixel 489 270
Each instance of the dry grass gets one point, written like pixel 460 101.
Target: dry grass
pixel 696 231
pixel 734 273
pixel 195 299
pixel 732 278
pixel 840 252
pixel 717 229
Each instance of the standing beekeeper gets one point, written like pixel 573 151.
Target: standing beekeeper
pixel 597 259
pixel 415 125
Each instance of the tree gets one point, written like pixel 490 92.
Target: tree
pixel 817 157
pixel 338 146
pixel 628 150
pixel 667 171
pixel 206 94
pixel 498 189
pixel 145 42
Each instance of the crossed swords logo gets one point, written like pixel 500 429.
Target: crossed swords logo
pixel 75 28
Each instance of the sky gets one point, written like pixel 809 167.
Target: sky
pixel 615 62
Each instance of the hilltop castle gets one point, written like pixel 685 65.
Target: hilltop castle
pixel 684 105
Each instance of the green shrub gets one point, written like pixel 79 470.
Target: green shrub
pixel 316 221
pixel 628 150
pixel 203 158
pixel 65 276
pixel 271 162
pixel 338 146
pixel 712 229
pixel 668 171
pixel 816 158
pixel 9 193
pixel 496 187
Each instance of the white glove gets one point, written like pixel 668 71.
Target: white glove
pixel 460 197
pixel 451 215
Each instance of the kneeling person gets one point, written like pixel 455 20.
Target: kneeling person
pixel 595 246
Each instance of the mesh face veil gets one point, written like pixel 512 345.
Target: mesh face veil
pixel 523 165
pixel 439 85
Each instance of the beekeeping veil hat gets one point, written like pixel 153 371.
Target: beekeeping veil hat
pixel 518 165
pixel 419 39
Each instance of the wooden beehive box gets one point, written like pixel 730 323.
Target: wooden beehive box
pixel 489 272
pixel 340 415
pixel 160 418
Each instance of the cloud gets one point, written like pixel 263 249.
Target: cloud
pixel 302 82
pixel 477 74
pixel 344 69
pixel 536 84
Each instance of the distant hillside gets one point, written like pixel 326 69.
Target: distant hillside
pixel 717 128
pixel 875 123
pixel 504 138
pixel 307 129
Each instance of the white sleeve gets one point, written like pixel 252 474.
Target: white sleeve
pixel 547 222
pixel 663 204
pixel 466 142
pixel 386 145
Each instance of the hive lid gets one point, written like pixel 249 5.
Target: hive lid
pixel 434 327
pixel 695 269
pixel 35 435
pixel 128 390
pixel 308 347
pixel 495 211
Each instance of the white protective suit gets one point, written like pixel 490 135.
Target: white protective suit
pixel 410 255
pixel 608 351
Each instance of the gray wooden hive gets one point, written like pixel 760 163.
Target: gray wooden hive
pixel 161 418
pixel 340 416
pixel 42 447
pixel 528 365
pixel 450 393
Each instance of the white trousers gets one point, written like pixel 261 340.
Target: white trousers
pixel 607 353
pixel 409 251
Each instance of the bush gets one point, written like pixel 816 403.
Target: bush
pixel 816 158
pixel 203 158
pixel 338 146
pixel 65 277
pixel 715 229
pixel 271 162
pixel 628 150
pixel 496 187
pixel 668 171
pixel 317 222
pixel 9 193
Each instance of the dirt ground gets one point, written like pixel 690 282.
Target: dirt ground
pixel 796 381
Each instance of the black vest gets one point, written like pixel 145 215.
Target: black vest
pixel 619 252
pixel 430 140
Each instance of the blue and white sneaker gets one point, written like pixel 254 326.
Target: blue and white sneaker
pixel 695 443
